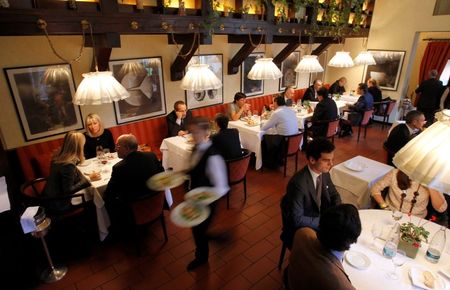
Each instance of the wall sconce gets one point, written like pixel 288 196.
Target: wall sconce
pixel 134 25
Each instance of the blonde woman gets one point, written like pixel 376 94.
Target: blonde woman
pixel 96 135
pixel 65 178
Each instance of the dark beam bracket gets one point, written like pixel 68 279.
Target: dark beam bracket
pixel 283 54
pixel 103 47
pixel 190 46
pixel 323 46
pixel 240 56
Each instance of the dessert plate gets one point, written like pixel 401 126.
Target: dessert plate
pixel 418 280
pixel 354 165
pixel 357 260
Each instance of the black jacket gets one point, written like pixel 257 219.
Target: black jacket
pixel 336 89
pixel 431 91
pixel 398 138
pixel 310 95
pixel 173 127
pixel 129 176
pixel 324 111
pixel 105 140
pixel 227 143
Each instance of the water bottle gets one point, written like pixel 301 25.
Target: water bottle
pixel 390 248
pixel 436 246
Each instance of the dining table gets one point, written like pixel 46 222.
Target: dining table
pixel 176 152
pixel 374 274
pixel 96 191
pixel 353 179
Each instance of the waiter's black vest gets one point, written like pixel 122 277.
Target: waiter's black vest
pixel 198 172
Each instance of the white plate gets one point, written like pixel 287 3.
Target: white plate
pixel 445 271
pixel 166 179
pixel 180 220
pixel 354 165
pixel 416 275
pixel 85 163
pixel 196 195
pixel 357 260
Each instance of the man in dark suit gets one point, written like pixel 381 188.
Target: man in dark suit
pixel 316 258
pixel 311 92
pixel 128 179
pixel 325 110
pixel 178 119
pixel 338 87
pixel 310 191
pixel 226 140
pixel 402 133
pixel 430 92
pixel 288 95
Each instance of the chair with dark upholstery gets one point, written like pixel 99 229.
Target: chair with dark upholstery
pixel 365 122
pixel 237 172
pixel 147 210
pixel 332 127
pixel 292 144
pixel 386 108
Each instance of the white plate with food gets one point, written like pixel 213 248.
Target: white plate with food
pixel 202 195
pixel 357 260
pixel 426 279
pixel 354 165
pixel 189 214
pixel 166 179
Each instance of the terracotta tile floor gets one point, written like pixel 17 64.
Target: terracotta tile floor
pixel 247 260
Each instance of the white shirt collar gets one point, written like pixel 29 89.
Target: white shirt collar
pixel 314 175
pixel 411 130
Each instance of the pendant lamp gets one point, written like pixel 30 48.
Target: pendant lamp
pixel 198 76
pixel 264 69
pixel 341 59
pixel 309 64
pixel 364 58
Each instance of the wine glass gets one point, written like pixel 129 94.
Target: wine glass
pixel 376 231
pixel 396 214
pixel 397 260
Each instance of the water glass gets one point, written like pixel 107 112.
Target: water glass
pixel 396 214
pixel 398 260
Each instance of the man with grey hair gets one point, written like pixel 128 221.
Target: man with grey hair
pixel 129 177
pixel 429 93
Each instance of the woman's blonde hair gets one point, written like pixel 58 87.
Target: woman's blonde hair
pixel 373 82
pixel 89 118
pixel 72 149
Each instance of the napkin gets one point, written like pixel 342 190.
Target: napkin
pixel 27 219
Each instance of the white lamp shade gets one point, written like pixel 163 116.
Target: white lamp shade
pixel 199 77
pixel 364 58
pixel 426 158
pixel 264 69
pixel 341 59
pixel 98 88
pixel 309 64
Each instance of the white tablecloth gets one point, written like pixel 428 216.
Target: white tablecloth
pixel 4 198
pixel 251 137
pixel 354 186
pixel 97 189
pixel 347 99
pixel 375 276
pixel 176 152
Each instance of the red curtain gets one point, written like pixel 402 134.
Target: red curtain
pixel 435 57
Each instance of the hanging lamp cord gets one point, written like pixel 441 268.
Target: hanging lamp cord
pixel 196 39
pixel 43 25
pixel 254 44
pixel 93 46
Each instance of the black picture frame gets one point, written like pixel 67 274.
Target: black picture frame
pixel 44 104
pixel 207 98
pixel 387 70
pixel 290 77
pixel 144 80
pixel 251 87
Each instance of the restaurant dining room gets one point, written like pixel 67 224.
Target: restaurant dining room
pixel 225 144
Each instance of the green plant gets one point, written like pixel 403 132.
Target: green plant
pixel 413 234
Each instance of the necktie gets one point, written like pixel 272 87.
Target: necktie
pixel 319 189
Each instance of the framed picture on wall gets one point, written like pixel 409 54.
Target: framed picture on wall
pixel 43 99
pixel 248 86
pixel 387 70
pixel 143 79
pixel 199 99
pixel 290 77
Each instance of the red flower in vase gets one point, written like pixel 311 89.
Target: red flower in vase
pixel 433 218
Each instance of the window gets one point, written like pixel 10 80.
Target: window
pixel 445 75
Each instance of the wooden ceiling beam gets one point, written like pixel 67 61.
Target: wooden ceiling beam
pixel 189 48
pixel 323 46
pixel 240 56
pixel 285 52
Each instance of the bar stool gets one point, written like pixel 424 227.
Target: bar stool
pixel 54 273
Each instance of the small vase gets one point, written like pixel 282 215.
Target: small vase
pixel 410 250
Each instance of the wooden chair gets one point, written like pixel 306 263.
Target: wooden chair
pixel 386 108
pixel 237 172
pixel 147 210
pixel 292 144
pixel 332 127
pixel 365 122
